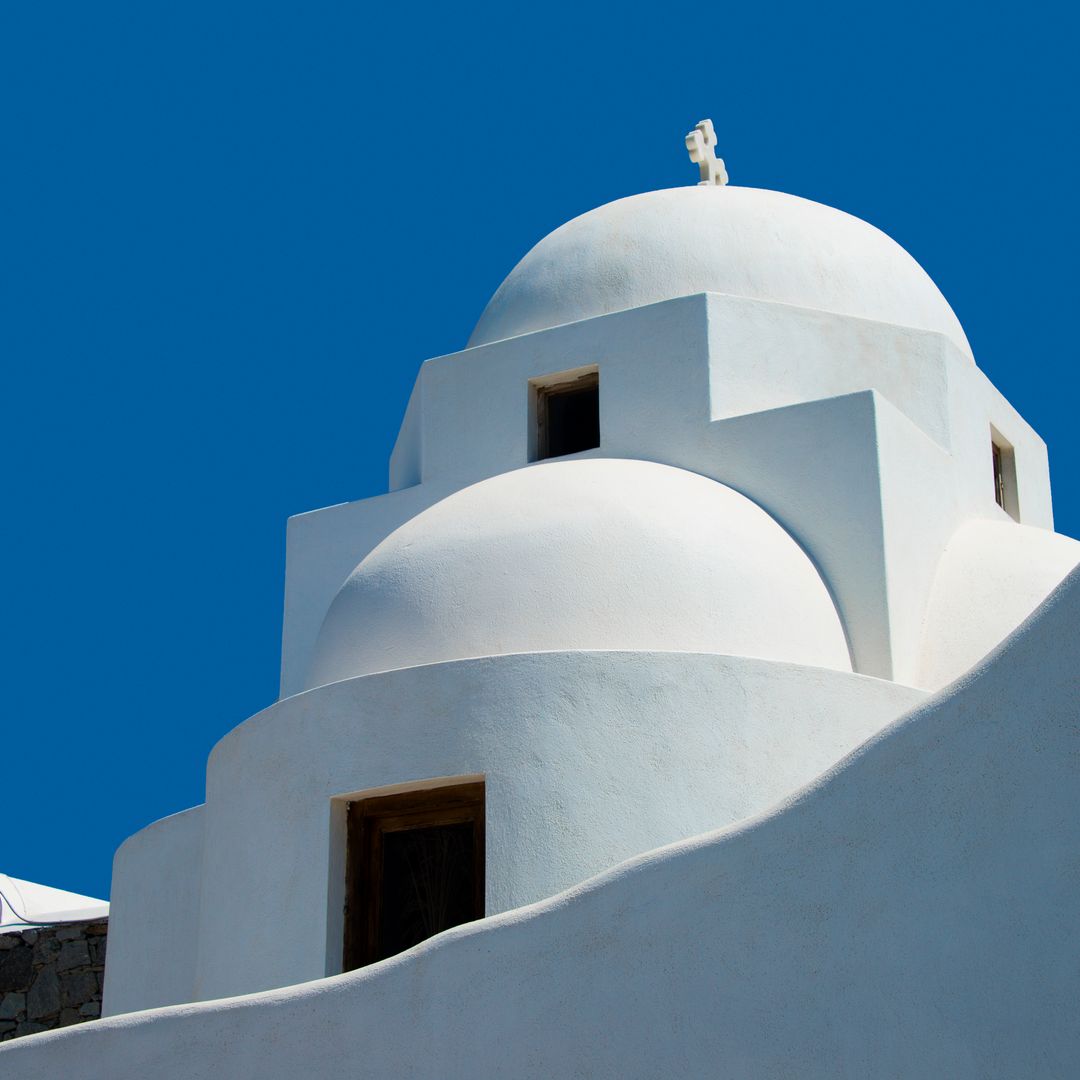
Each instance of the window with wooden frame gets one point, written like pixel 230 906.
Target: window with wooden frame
pixel 1004 462
pixel 414 866
pixel 565 414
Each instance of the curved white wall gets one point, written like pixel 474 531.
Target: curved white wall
pixel 745 242
pixel 154 923
pixel 913 915
pixel 992 576
pixel 582 554
pixel 589 758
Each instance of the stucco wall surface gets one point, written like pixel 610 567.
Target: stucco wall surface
pixel 582 554
pixel 868 443
pixel 156 889
pixel 589 758
pixel 910 914
pixel 743 242
pixel 992 576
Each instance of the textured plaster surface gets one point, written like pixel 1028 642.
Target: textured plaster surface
pixel 589 758
pixel 911 913
pixel 807 370
pixel 763 245
pixel 155 897
pixel 992 576
pixel 869 443
pixel 593 554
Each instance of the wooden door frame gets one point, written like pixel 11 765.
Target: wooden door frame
pixel 366 822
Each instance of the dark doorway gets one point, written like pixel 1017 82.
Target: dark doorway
pixel 568 416
pixel 414 867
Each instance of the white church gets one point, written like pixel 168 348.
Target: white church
pixel 701 700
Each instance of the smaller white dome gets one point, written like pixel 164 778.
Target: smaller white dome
pixel 586 554
pixel 992 576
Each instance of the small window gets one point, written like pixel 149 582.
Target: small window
pixel 1004 461
pixel 414 867
pixel 565 414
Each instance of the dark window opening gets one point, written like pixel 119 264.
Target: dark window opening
pixel 414 867
pixel 567 416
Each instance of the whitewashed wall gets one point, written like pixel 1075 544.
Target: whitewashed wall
pixel 600 554
pixel 869 443
pixel 157 883
pixel 589 758
pixel 912 913
pixel 872 483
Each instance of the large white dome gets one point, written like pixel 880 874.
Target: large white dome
pixel 585 554
pixel 744 242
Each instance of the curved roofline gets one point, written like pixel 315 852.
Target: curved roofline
pixel 738 241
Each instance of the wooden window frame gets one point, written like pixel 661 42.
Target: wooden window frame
pixel 999 474
pixel 542 391
pixel 1006 493
pixel 367 821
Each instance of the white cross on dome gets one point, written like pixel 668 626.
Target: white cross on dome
pixel 701 145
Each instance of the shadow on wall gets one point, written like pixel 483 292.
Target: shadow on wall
pixel 912 913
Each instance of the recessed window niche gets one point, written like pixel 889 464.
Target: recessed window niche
pixel 414 867
pixel 1004 463
pixel 564 413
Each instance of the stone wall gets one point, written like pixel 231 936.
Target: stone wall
pixel 51 976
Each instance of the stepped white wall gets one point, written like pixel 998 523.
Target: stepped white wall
pixel 589 758
pixel 911 913
pixel 868 443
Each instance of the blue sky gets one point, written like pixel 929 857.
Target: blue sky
pixel 232 231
